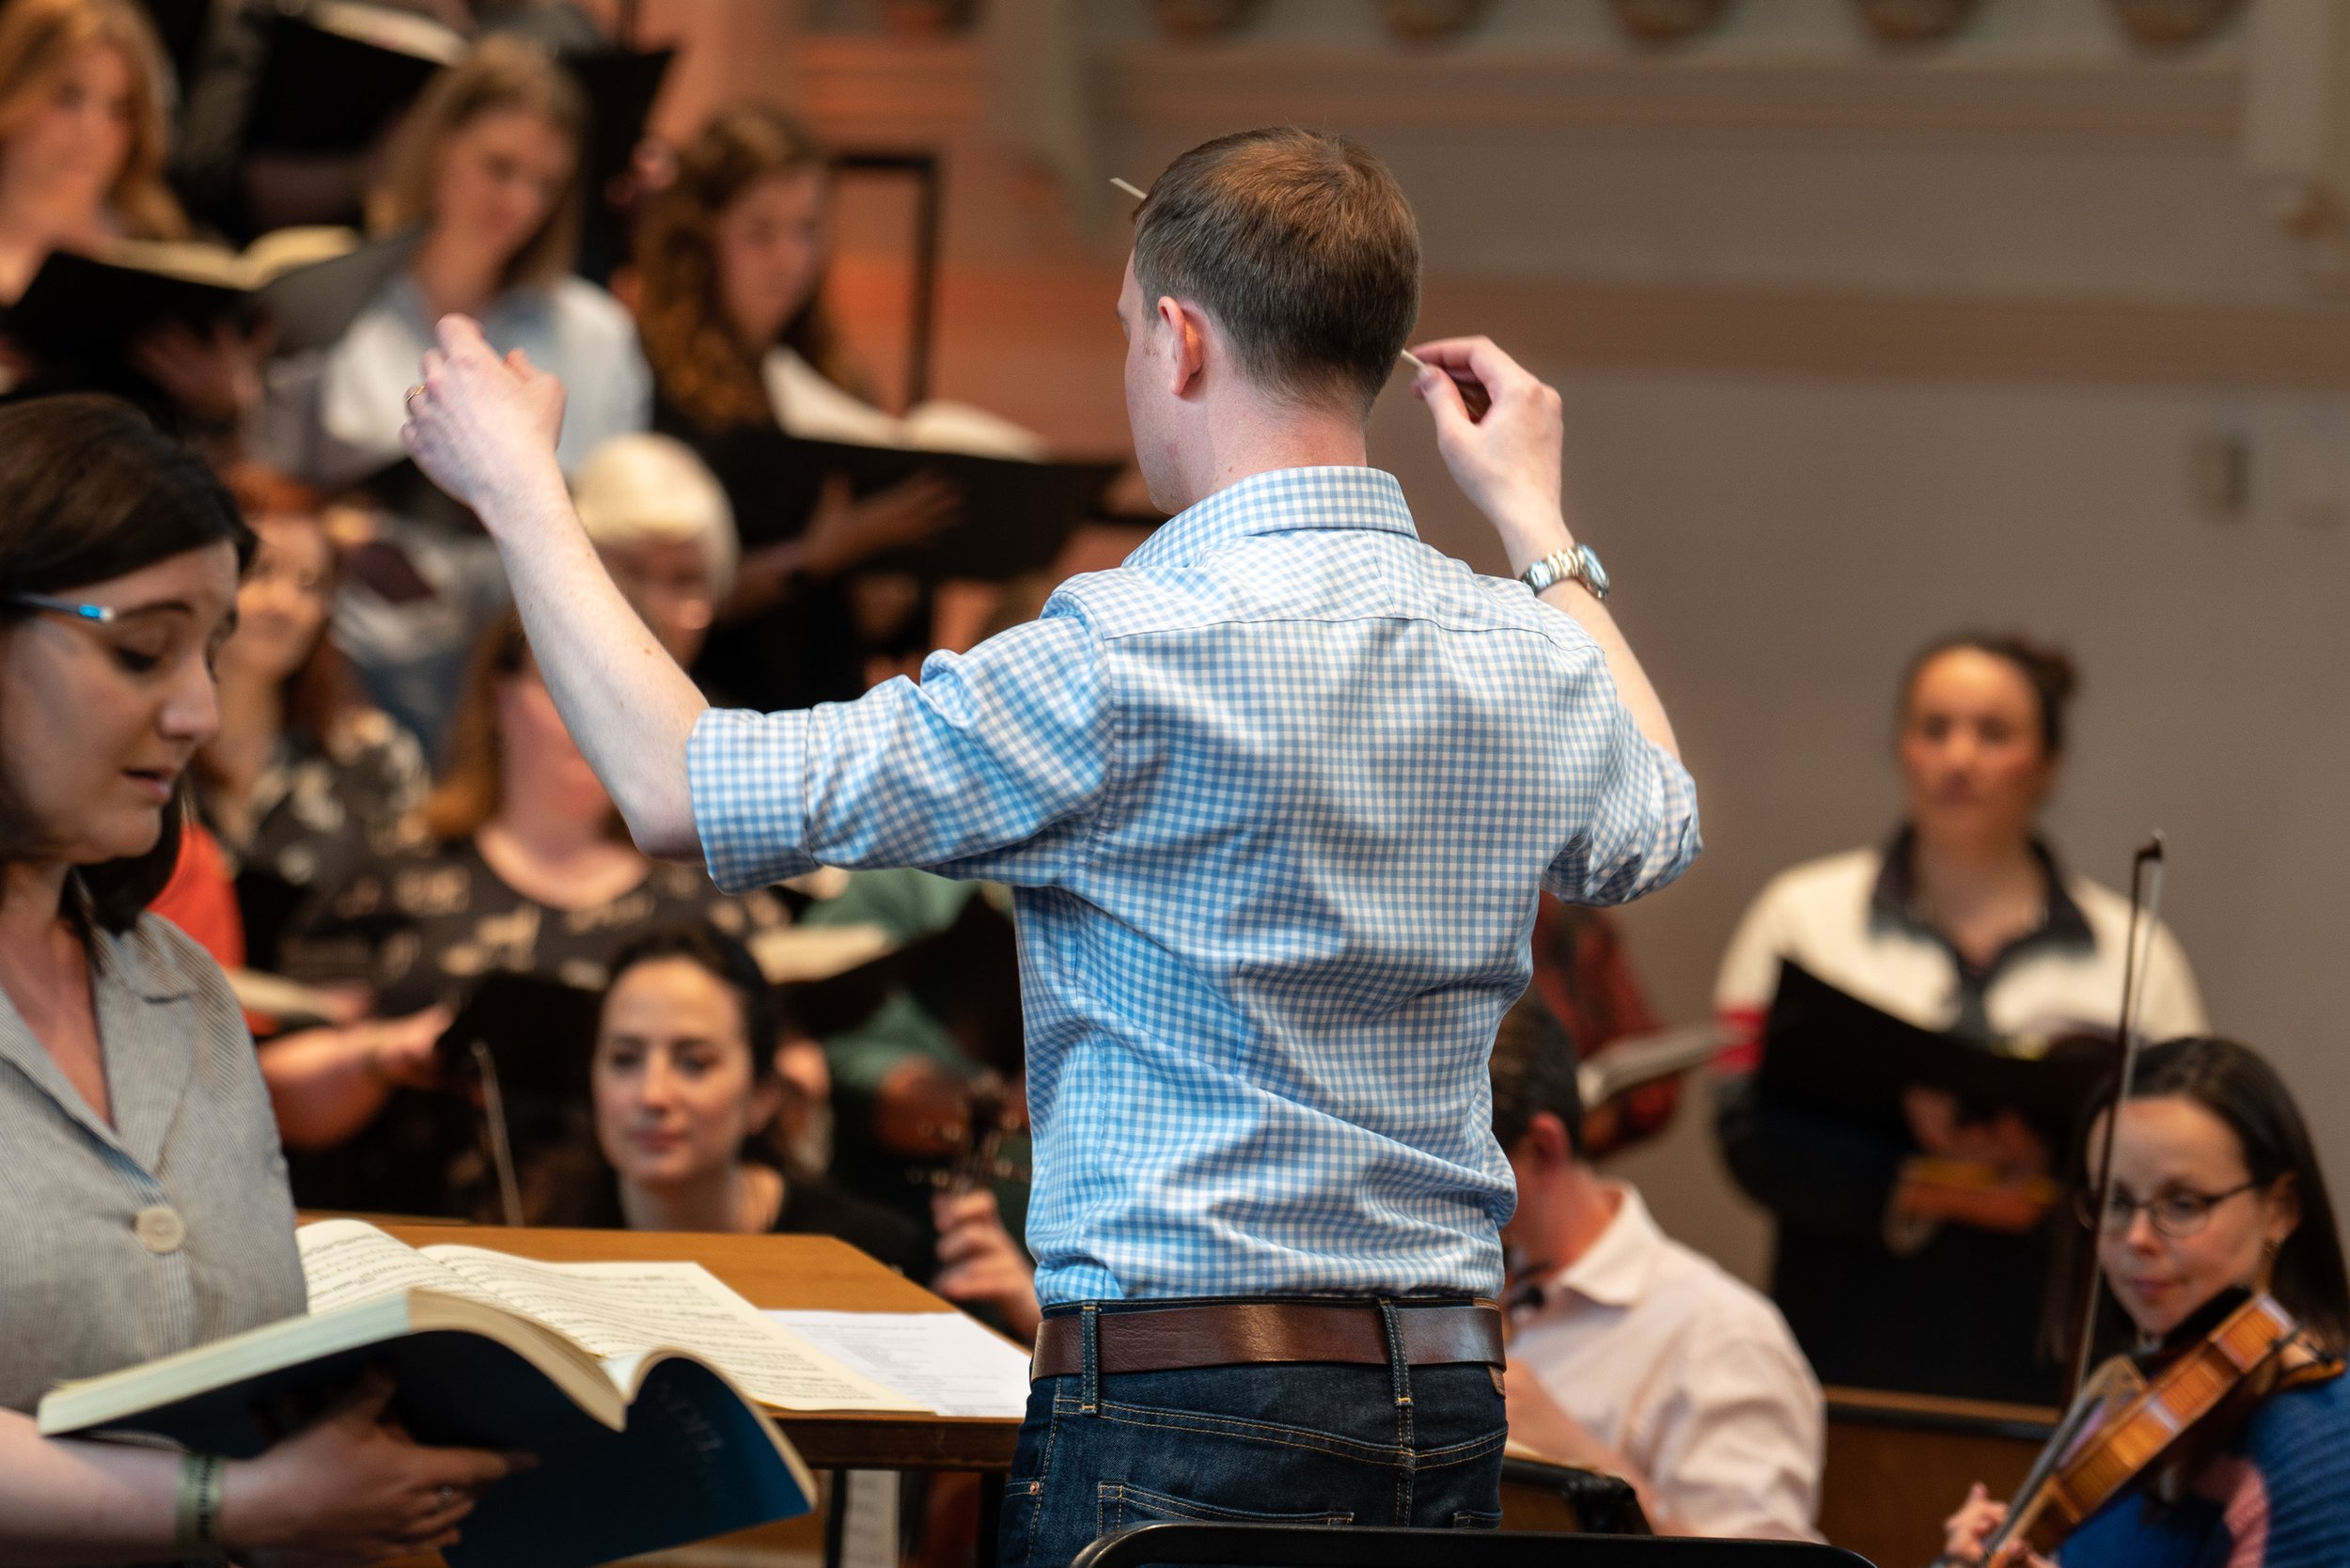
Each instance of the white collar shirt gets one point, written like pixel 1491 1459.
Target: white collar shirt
pixel 1689 1375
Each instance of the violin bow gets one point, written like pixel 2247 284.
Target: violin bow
pixel 2146 868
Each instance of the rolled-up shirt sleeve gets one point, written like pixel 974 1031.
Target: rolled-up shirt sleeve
pixel 1642 829
pixel 990 767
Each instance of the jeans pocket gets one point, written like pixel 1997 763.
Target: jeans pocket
pixel 1118 1505
pixel 1475 1518
pixel 1015 1533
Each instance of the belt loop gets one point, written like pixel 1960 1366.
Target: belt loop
pixel 1398 1363
pixel 1089 1319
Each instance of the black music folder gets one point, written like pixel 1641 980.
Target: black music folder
pixel 91 310
pixel 337 70
pixel 1827 1051
pixel 1016 515
pixel 540 1034
pixel 621 85
pixel 81 310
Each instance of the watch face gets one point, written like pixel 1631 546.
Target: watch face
pixel 1595 575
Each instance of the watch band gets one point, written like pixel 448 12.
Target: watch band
pixel 1574 564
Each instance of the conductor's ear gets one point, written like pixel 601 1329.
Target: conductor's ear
pixel 1186 333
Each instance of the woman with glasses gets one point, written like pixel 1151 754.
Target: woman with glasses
pixel 2216 1193
pixel 143 1200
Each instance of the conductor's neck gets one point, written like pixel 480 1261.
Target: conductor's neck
pixel 1245 436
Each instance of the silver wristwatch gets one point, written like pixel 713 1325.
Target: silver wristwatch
pixel 1577 563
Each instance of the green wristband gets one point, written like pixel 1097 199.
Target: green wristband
pixel 195 1519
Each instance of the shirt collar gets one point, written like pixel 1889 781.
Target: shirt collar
pixel 1279 501
pixel 1616 1270
pixel 142 966
pixel 1894 900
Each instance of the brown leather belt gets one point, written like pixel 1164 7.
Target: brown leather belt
pixel 1242 1333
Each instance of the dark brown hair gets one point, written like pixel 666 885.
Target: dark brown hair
pixel 1300 246
pixel 2238 1086
pixel 502 72
pixel 2046 668
pixel 726 960
pixel 90 490
pixel 1534 1071
pixel 702 365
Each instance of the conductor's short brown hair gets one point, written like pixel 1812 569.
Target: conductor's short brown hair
pixel 1302 249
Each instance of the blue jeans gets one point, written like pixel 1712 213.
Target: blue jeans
pixel 1307 1443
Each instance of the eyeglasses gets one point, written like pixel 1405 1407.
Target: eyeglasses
pixel 2176 1215
pixel 98 615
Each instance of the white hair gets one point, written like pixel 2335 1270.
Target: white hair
pixel 641 489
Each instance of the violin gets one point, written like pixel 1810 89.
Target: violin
pixel 2133 1420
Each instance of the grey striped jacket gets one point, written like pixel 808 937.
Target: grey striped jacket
pixel 169 1229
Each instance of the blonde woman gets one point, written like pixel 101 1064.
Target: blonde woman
pixel 82 137
pixel 661 522
pixel 485 197
pixel 82 151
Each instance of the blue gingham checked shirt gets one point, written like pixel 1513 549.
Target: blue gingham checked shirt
pixel 1273 799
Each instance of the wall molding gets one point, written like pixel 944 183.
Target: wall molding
pixel 1060 310
pixel 927 86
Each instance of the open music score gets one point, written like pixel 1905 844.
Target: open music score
pixel 802 1273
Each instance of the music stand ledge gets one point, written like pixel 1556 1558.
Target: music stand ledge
pixel 809 1273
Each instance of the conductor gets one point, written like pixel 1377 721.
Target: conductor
pixel 1274 799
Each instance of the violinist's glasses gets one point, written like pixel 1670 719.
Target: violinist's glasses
pixel 2176 1215
pixel 97 615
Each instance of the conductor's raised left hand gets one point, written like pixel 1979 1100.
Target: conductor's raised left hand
pixel 482 427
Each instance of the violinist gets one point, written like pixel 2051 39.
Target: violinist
pixel 2216 1193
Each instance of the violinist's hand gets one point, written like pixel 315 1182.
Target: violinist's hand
pixel 980 1263
pixel 483 428
pixel 1965 1532
pixel 1508 461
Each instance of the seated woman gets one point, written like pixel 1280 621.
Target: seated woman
pixel 144 1210
pixel 81 169
pixel 485 205
pixel 687 1080
pixel 524 867
pixel 730 263
pixel 2216 1193
pixel 304 776
pixel 1964 923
